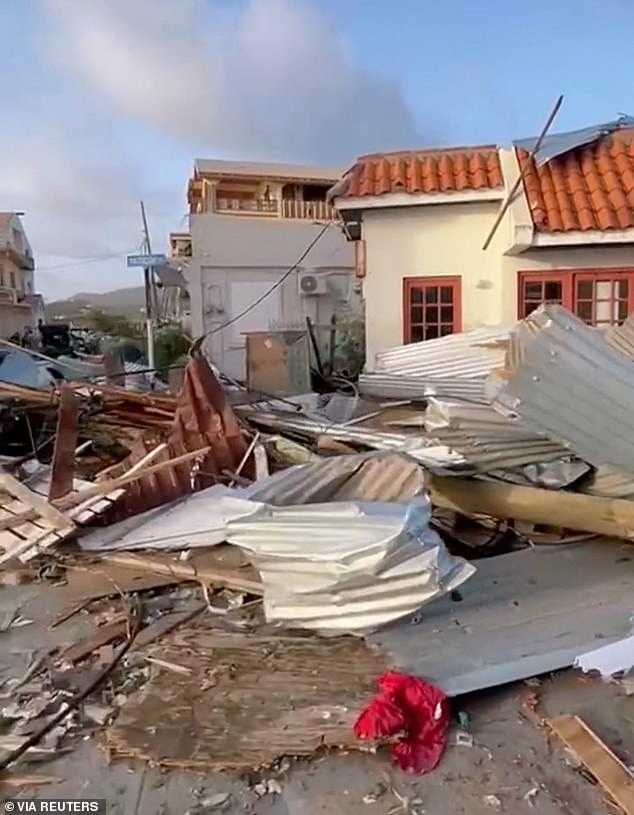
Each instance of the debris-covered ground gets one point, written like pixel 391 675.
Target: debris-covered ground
pixel 415 598
pixel 503 754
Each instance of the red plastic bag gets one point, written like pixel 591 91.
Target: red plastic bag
pixel 413 707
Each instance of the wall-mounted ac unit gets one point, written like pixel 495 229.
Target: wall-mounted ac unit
pixel 312 284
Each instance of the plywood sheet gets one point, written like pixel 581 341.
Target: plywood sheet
pixel 247 701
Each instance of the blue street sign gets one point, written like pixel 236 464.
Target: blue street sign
pixel 146 261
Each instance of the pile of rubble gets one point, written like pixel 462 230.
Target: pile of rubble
pixel 218 536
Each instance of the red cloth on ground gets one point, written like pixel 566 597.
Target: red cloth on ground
pixel 408 705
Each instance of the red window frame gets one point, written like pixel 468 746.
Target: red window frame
pixel 424 284
pixel 568 280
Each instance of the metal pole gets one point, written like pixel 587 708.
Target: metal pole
pixel 509 198
pixel 149 323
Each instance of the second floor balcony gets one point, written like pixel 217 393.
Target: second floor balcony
pixel 277 208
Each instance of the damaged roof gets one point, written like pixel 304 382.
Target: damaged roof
pixel 590 187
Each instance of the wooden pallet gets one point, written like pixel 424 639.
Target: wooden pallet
pixel 28 523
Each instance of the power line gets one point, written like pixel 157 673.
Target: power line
pixel 83 261
pixel 198 342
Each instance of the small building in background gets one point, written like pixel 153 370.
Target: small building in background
pixel 20 305
pixel 420 219
pixel 245 257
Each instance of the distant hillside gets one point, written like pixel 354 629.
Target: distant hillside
pixel 128 303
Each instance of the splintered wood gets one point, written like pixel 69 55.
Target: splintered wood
pixel 29 524
pixel 244 701
pixel 609 770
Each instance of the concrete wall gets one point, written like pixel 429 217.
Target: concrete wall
pixel 431 241
pixel 14 319
pixel 446 241
pixel 235 261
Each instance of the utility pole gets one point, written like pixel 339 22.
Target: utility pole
pixel 149 305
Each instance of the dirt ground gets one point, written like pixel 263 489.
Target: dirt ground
pixel 511 767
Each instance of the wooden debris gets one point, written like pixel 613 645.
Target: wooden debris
pixel 23 539
pixel 609 770
pixel 17 780
pixel 65 444
pixel 195 569
pixel 84 648
pixel 603 516
pixel 165 624
pixel 247 700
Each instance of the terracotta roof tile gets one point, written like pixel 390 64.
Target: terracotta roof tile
pixel 590 188
pixel 456 169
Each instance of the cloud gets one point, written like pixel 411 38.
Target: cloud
pixel 119 96
pixel 273 80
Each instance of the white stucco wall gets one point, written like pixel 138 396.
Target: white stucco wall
pixel 235 259
pixel 445 241
pixel 430 241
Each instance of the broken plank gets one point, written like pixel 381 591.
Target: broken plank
pixel 65 444
pixel 84 648
pixel 166 624
pixel 609 770
pixel 187 570
pixel 568 510
pixel 13 780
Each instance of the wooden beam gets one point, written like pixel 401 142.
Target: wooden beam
pixel 613 517
pixel 609 770
pixel 185 570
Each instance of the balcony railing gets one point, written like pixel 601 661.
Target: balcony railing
pixel 265 206
pixel 287 208
pixel 307 210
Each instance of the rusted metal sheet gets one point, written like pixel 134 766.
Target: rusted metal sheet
pixel 65 444
pixel 203 418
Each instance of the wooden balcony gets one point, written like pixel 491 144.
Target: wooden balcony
pixel 308 210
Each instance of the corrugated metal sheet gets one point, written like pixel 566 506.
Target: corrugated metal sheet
pixel 203 418
pixel 346 566
pixel 486 439
pixel 426 451
pixel 610 483
pixel 201 519
pixel 521 614
pixel 469 354
pixel 367 477
pixel 573 387
pixel 394 386
pixel 621 338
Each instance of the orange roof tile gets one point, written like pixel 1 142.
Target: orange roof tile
pixel 455 169
pixel 591 187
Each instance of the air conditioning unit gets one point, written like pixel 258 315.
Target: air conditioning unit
pixel 312 284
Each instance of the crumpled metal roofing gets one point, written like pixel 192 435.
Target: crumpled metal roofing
pixel 365 477
pixel 621 337
pixel 424 450
pixel 486 439
pixel 470 354
pixel 560 143
pixel 570 385
pixel 347 566
pixel 203 418
pixel 401 386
